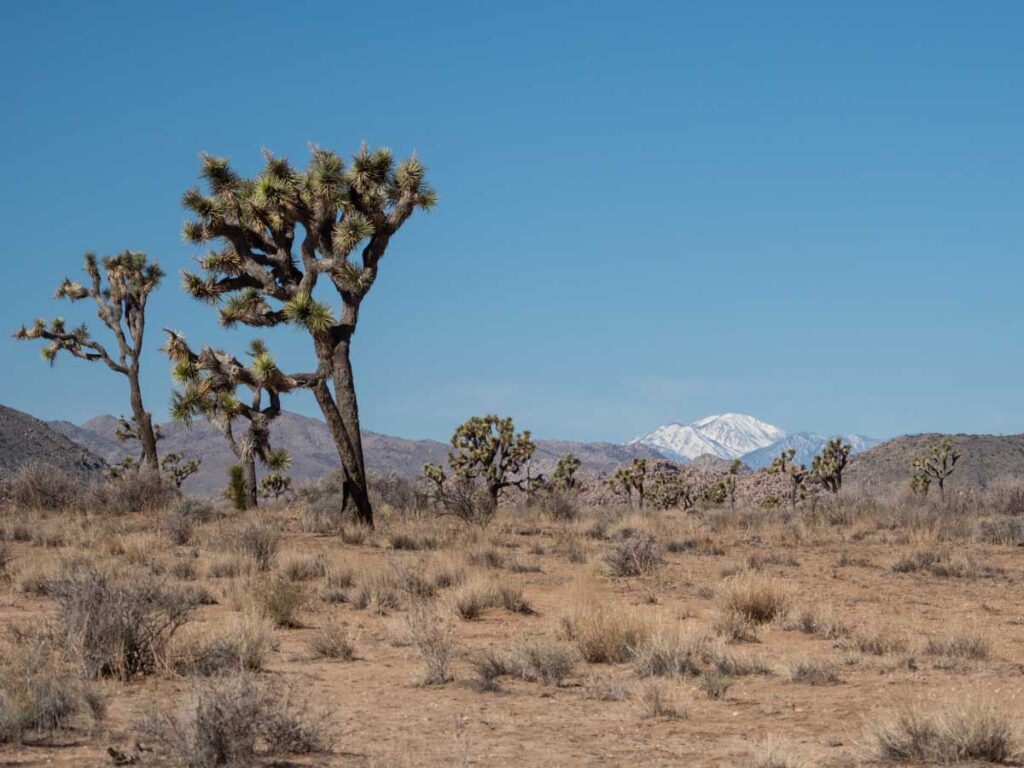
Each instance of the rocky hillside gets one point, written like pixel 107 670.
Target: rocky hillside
pixel 26 440
pixel 313 454
pixel 986 459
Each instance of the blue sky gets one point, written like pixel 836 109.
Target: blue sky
pixel 649 212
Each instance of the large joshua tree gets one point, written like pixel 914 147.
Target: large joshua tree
pixel 210 380
pixel 120 290
pixel 283 230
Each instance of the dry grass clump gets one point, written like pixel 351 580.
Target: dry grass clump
pixel 36 575
pixel 116 625
pixel 298 567
pixel 668 652
pixel 234 721
pixel 40 486
pixel 531 659
pixel 485 556
pixel 241 645
pixel 771 754
pixel 571 545
pixel 177 528
pixel 435 642
pixel 880 642
pixel 965 647
pixel 604 689
pixel 405 541
pixel 917 560
pixel 714 684
pixel 755 596
pixel 279 600
pixel 605 633
pixel 471 600
pixel 260 541
pixel 39 695
pixel 340 579
pixel 819 621
pixel 656 700
pixel 636 555
pixel 230 567
pixel 813 672
pixel 331 640
pixel 378 590
pixel 958 730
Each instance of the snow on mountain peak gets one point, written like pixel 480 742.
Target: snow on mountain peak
pixel 728 435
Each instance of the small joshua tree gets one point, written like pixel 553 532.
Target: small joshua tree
pixel 797 474
pixel 489 453
pixel 937 465
pixel 827 467
pixel 177 469
pixel 630 479
pixel 563 478
pixel 120 287
pixel 920 483
pixel 210 380
pixel 340 221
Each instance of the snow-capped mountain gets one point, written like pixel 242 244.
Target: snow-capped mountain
pixel 807 446
pixel 729 436
pixel 739 436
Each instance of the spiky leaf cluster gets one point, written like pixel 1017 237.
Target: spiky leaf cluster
pixel 282 229
pixel 798 474
pixel 630 478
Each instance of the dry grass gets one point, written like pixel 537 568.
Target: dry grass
pixel 755 597
pixel 813 672
pixel 233 722
pixel 658 700
pixel 331 640
pixel 959 729
pixel 434 640
pixel 636 555
pixel 669 651
pixel 241 644
pixel 279 600
pixel 605 632
pixel 967 647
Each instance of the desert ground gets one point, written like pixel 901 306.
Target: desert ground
pixel 848 631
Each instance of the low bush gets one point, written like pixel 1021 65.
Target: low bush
pixel 634 556
pixel 41 486
pixel 605 633
pixel 116 625
pixel 234 721
pixel 242 645
pixel 435 642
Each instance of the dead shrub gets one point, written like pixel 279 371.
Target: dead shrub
pixel 880 642
pixel 818 621
pixel 542 660
pixel 714 684
pixel 378 590
pixel 1004 531
pixel 194 510
pixel 177 528
pixel 41 486
pixel 472 599
pixel 960 729
pixel 141 491
pixel 232 722
pixel 117 625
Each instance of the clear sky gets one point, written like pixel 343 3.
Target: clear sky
pixel 649 212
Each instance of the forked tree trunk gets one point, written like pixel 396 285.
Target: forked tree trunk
pixel 341 412
pixel 249 464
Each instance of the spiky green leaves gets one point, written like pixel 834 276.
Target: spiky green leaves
pixel 305 311
pixel 217 172
pixel 69 289
pixel 349 232
pixel 278 460
pixel 248 307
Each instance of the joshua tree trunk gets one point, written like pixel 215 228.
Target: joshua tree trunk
pixel 147 436
pixel 251 499
pixel 341 411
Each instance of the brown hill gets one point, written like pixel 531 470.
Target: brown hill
pixel 26 440
pixel 313 454
pixel 985 459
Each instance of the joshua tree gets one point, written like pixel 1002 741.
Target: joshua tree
pixel 120 286
pixel 210 380
pixel 564 476
pixel 669 489
pixel 277 483
pixel 629 479
pixel 177 469
pixel 797 474
pixel 488 451
pixel 827 467
pixel 936 465
pixel 329 213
